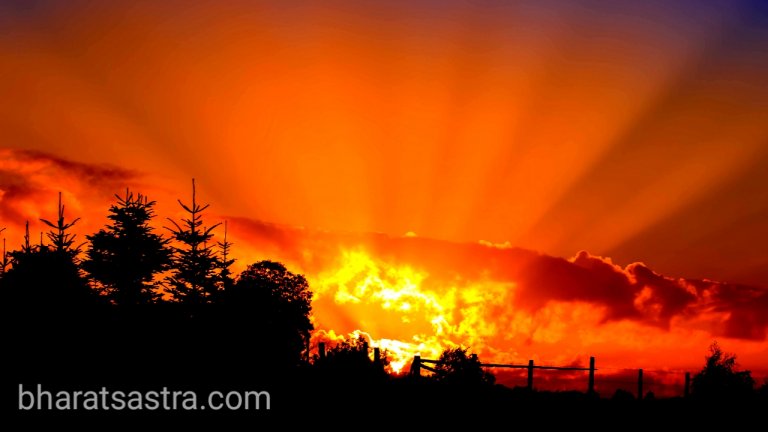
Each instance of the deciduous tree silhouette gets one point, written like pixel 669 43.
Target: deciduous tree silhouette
pixel 194 280
pixel 719 378
pixel 458 367
pixel 275 304
pixel 125 256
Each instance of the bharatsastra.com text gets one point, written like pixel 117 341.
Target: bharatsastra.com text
pixel 38 398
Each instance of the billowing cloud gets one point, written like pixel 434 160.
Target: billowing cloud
pixel 634 292
pixel 746 309
pixel 412 294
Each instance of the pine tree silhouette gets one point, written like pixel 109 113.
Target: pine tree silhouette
pixel 125 256
pixel 194 280
pixel 62 240
pixel 26 247
pixel 47 277
pixel 225 262
pixel 4 263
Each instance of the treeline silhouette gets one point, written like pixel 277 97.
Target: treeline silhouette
pixel 134 308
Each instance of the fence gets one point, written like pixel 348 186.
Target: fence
pixel 420 363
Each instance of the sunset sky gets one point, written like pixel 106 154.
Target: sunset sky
pixel 521 174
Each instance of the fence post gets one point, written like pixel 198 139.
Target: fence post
pixel 530 375
pixel 640 385
pixel 591 388
pixel 321 350
pixel 687 389
pixel 416 366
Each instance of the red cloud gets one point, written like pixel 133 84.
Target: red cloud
pixel 31 180
pixel 634 292
pixel 103 175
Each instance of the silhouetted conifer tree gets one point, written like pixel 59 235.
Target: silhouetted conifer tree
pixel 195 278
pixel 125 256
pixel 47 277
pixel 5 257
pixel 225 262
pixel 63 240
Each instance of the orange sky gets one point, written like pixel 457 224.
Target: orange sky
pixel 637 132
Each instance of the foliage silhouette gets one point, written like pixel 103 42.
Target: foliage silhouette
pixel 456 366
pixel 125 256
pixel 274 304
pixel 46 281
pixel 63 241
pixel 719 378
pixel 621 395
pixel 763 390
pixel 194 280
pixel 352 359
pixel 225 261
pixel 5 262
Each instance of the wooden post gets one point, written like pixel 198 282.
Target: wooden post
pixel 376 355
pixel 591 387
pixel 640 385
pixel 687 389
pixel 416 366
pixel 530 375
pixel 321 350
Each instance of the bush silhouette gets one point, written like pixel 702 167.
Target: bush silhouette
pixel 351 359
pixel 719 378
pixel 458 367
pixel 621 395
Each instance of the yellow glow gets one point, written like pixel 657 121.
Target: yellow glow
pixel 414 319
